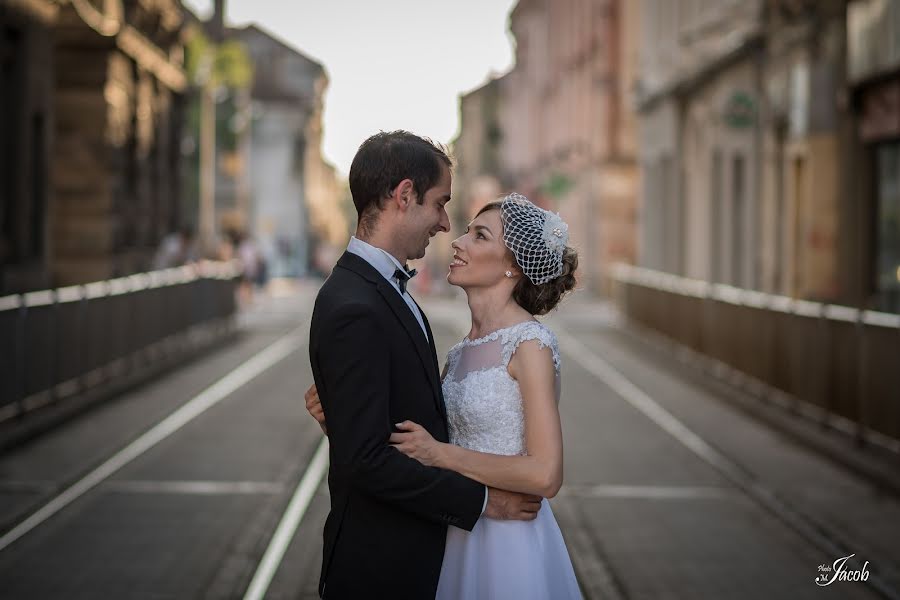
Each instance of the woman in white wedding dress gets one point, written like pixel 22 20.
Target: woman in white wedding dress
pixel 501 388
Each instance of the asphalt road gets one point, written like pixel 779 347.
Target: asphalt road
pixel 177 489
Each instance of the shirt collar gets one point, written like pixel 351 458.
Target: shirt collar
pixel 383 262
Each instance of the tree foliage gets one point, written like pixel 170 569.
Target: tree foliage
pixel 227 64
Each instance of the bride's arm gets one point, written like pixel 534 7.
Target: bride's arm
pixel 541 471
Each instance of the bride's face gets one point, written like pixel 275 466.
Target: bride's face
pixel 480 258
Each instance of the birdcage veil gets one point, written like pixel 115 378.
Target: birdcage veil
pixel 536 237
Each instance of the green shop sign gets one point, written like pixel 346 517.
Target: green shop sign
pixel 556 185
pixel 740 111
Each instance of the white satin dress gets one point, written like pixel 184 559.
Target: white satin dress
pixel 499 559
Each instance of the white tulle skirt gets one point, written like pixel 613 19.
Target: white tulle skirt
pixel 508 559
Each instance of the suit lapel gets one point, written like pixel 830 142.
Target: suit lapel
pixel 437 368
pixel 401 310
pixel 411 325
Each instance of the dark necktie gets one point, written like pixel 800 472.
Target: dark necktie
pixel 402 276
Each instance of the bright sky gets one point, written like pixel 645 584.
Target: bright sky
pixel 392 64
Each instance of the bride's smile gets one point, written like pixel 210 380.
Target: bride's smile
pixel 457 262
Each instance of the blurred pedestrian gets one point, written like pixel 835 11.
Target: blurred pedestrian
pixel 176 249
pixel 253 264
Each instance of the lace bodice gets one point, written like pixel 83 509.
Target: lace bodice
pixel 484 404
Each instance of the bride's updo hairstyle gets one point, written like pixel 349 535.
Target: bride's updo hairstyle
pixel 537 240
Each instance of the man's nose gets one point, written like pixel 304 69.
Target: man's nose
pixel 444 225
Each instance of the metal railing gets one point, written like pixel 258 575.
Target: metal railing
pixel 59 342
pixel 842 361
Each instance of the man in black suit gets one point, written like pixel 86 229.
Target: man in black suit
pixel 374 364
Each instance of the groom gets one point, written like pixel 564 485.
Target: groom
pixel 374 364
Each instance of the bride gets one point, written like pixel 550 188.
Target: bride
pixel 501 387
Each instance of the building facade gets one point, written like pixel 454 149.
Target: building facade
pixel 293 191
pixel 873 66
pixel 698 102
pixel 745 156
pixel 559 126
pixel 89 158
pixel 804 159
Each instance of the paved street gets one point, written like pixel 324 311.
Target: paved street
pixel 176 489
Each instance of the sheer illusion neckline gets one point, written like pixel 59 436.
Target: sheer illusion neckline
pixel 494 334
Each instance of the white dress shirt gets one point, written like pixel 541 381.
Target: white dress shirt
pixel 386 264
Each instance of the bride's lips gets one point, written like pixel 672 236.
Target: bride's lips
pixel 457 262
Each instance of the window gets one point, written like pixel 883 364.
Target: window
pixel 737 220
pixel 668 227
pixel 887 228
pixel 10 104
pixel 715 217
pixel 39 153
pixel 23 165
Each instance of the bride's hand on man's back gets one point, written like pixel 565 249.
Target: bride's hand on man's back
pixel 314 406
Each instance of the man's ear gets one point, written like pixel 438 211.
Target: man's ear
pixel 403 194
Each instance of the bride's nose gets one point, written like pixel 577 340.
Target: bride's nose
pixel 455 244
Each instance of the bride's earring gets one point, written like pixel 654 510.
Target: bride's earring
pixel 509 273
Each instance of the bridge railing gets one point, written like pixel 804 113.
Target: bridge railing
pixel 63 341
pixel 841 361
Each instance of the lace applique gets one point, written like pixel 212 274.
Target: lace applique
pixel 452 360
pixel 529 330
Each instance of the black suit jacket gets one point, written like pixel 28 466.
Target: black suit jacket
pixel 385 534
